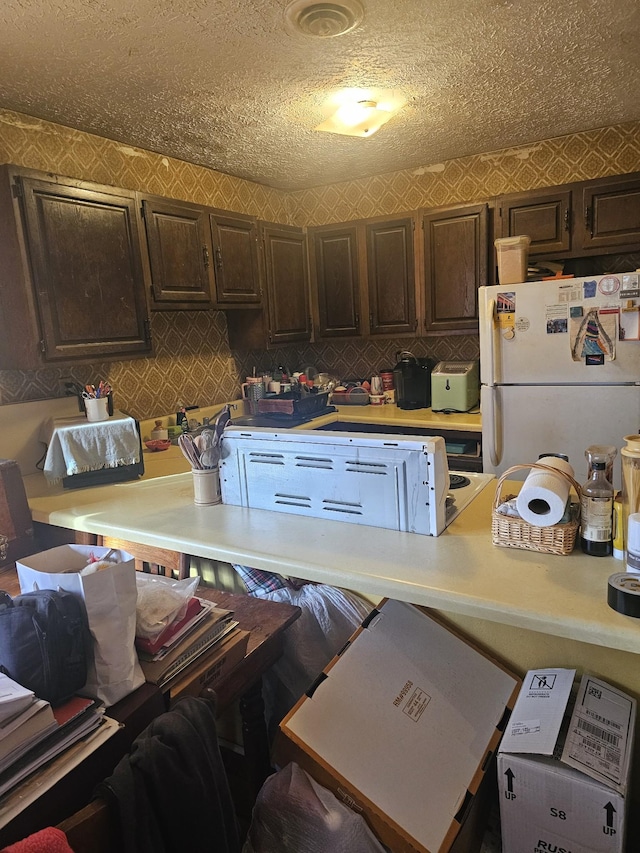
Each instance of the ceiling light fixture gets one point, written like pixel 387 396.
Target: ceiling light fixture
pixel 361 116
pixel 322 19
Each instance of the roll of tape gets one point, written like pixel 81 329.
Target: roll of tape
pixel 623 593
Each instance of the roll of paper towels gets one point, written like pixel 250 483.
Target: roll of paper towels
pixel 544 494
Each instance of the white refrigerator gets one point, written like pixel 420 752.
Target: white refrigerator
pixel 559 369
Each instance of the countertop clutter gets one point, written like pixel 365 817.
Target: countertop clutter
pixel 460 571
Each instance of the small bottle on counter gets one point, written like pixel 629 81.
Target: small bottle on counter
pixel 596 533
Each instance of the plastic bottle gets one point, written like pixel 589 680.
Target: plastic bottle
pixel 596 534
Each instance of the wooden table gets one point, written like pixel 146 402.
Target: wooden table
pixel 266 621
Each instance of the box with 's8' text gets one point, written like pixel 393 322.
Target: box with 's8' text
pixel 564 779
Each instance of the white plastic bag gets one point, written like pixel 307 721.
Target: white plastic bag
pixel 110 596
pixel 160 601
pixel 294 814
pixel 329 617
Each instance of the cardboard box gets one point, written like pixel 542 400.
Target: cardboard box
pixel 402 725
pixel 563 781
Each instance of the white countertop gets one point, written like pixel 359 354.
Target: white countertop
pixel 460 571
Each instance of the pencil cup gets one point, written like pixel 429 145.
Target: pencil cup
pixel 97 408
pixel 206 486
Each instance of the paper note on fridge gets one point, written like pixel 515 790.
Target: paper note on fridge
pixel 537 716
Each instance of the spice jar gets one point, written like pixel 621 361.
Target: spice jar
pixel 159 432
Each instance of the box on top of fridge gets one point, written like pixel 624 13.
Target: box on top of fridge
pixel 564 777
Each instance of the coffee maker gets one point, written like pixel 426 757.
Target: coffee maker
pixel 412 381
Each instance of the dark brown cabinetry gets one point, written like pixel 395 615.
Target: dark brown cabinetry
pixel 286 317
pixel 200 257
pixel 391 277
pixel 455 265
pixel 610 215
pixel 72 276
pixel 287 280
pixel 336 277
pixel 364 277
pixel 545 216
pixel 238 277
pixel 598 217
pixel 180 252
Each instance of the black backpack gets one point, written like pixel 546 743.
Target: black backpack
pixel 45 644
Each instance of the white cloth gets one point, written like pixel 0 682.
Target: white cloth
pixel 76 445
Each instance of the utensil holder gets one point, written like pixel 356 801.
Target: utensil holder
pixel 97 408
pixel 206 486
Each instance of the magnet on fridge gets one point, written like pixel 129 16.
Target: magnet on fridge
pixel 609 285
pixel 594 359
pixel 589 289
pixel 576 311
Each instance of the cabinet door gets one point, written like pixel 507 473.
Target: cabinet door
pixel 238 279
pixel 455 265
pixel 337 280
pixel 611 214
pixel 84 247
pixel 544 216
pixel 285 252
pixel 179 254
pixel 391 277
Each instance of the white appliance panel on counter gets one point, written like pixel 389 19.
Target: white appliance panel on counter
pixel 388 481
pixel 556 378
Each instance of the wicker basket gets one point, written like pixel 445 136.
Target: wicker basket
pixel 508 532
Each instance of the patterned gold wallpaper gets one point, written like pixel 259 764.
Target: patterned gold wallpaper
pixel 193 363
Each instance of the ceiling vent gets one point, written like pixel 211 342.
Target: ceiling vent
pixel 323 20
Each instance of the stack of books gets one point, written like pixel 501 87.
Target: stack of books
pixel 32 732
pixel 198 631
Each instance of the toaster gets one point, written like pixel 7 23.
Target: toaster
pixel 455 386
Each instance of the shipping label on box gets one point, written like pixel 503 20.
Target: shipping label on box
pixel 574 803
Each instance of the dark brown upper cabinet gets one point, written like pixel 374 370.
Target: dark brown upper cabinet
pixel 391 276
pixel 610 215
pixel 336 280
pixel 285 317
pixel 180 254
pixel 455 265
pixel 200 257
pixel 73 284
pixel 545 216
pixel 238 275
pixel 287 279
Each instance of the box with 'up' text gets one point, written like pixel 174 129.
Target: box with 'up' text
pixel 563 779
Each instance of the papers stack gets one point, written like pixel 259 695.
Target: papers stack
pixel 32 732
pixel 186 639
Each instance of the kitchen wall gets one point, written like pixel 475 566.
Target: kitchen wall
pixel 193 363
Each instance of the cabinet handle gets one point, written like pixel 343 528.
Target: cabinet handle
pixel 587 220
pixel 147 331
pixel 219 257
pixel 357 321
pixel 371 320
pixel 566 219
pixel 205 257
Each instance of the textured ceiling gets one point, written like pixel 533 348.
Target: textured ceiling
pixel 221 83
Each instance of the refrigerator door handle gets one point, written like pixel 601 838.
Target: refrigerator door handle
pixel 492 426
pixel 488 322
